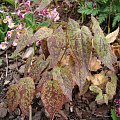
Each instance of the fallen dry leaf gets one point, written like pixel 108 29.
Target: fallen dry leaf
pixel 112 36
pixel 95 64
pixel 99 79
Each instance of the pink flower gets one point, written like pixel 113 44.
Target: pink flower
pixel 117 110
pixel 19 27
pixel 7 19
pixel 10 24
pixel 15 42
pixel 27 3
pixel 18 34
pixel 21 15
pixel 53 15
pixel 3 45
pixel 44 12
pixel 9 33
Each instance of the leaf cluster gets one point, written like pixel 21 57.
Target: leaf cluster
pixel 102 10
pixel 65 62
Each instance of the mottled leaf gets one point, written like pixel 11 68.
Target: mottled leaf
pixel 81 45
pixel 23 40
pixel 65 80
pixel 13 97
pixel 41 34
pixel 37 68
pixel 101 46
pixel 99 98
pixel 105 96
pixel 26 89
pixel 52 97
pixel 56 44
pixel 43 4
pixel 110 88
pixel 95 89
pixel 111 37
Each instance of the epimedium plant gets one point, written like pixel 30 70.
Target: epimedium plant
pixel 65 62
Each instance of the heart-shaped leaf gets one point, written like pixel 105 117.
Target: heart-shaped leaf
pixel 13 97
pixel 52 97
pixel 56 45
pixel 101 46
pixel 26 90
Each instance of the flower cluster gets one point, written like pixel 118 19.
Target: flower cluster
pixel 51 14
pixel 117 108
pixel 25 10
pixel 8 20
pixel 18 30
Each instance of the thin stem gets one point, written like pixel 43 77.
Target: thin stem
pixel 30 112
pixel 7 64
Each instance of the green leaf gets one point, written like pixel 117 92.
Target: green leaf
pixel 101 46
pixel 116 20
pixel 29 20
pixel 113 115
pixel 44 23
pixel 10 2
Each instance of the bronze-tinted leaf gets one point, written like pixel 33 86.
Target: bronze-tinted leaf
pixel 65 80
pixel 23 40
pixel 37 68
pixel 101 46
pixel 13 97
pixel 41 34
pixel 26 90
pixel 52 97
pixel 81 45
pixel 56 44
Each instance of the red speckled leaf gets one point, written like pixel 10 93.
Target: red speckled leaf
pixel 52 97
pixel 81 44
pixel 101 46
pixel 26 90
pixel 65 80
pixel 13 97
pixel 37 68
pixel 56 45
